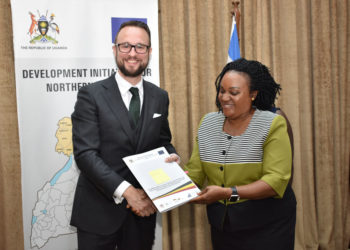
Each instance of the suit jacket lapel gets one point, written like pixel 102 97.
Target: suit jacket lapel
pixel 149 102
pixel 116 104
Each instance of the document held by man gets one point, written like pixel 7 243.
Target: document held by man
pixel 166 184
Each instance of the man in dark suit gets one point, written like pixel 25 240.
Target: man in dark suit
pixel 109 123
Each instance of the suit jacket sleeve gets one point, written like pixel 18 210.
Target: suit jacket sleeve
pixel 86 141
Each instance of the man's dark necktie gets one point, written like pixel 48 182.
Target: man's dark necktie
pixel 134 108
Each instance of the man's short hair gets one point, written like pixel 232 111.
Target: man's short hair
pixel 135 23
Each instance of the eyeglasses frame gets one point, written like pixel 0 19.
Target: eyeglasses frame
pixel 133 46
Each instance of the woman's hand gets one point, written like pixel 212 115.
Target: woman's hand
pixel 212 194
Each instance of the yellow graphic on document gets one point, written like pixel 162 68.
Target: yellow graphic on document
pixel 159 176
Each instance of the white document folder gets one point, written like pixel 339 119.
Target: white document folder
pixel 166 184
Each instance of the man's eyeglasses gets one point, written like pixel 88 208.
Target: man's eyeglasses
pixel 139 48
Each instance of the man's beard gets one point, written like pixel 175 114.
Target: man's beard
pixel 135 73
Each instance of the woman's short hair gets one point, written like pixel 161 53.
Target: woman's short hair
pixel 260 79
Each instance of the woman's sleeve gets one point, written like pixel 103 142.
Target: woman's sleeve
pixel 194 166
pixel 277 159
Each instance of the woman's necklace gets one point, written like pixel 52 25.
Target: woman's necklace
pixel 236 127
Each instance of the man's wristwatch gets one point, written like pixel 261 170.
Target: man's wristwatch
pixel 234 196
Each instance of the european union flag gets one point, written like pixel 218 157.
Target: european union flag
pixel 233 50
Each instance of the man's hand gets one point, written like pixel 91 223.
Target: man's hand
pixel 173 158
pixel 139 202
pixel 211 194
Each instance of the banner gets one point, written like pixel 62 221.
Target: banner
pixel 59 47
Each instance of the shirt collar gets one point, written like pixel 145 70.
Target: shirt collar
pixel 124 85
